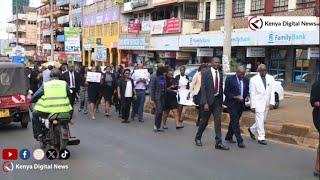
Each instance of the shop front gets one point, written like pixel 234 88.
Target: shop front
pixel 131 50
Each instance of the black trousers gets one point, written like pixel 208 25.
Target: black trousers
pixel 234 125
pixel 159 107
pixel 72 96
pixel 316 118
pixel 126 105
pixel 215 109
pixel 36 124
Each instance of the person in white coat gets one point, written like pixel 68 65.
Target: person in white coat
pixel 261 90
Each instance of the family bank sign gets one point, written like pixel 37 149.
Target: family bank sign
pixel 261 38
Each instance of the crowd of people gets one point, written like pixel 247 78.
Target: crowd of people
pixel 126 90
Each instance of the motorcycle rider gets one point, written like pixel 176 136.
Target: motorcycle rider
pixel 52 97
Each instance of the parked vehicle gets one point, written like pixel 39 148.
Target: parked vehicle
pixel 279 91
pixel 14 100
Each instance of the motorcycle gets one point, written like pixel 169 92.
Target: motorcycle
pixel 56 132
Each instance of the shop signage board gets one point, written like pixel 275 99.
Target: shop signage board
pixel 146 26
pixel 72 39
pixel 256 52
pixel 111 15
pixel 183 55
pixel 101 53
pixel 157 27
pixel 205 52
pixel 162 2
pixel 166 26
pixel 134 26
pixel 313 52
pixel 165 43
pixel 136 43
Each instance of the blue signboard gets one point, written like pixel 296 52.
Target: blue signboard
pixel 18 59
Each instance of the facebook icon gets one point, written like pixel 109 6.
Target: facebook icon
pixel 24 154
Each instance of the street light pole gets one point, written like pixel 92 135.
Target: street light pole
pixel 226 58
pixel 51 30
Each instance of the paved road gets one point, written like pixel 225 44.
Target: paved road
pixel 110 150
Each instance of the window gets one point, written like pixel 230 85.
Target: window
pixel 301 66
pixel 280 5
pixel 92 31
pixel 190 11
pixel 238 8
pixel 105 30
pixel 114 29
pixel 277 65
pixel 305 3
pixel 220 9
pixel 99 30
pixel 257 6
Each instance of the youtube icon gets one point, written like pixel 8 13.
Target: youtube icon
pixel 10 154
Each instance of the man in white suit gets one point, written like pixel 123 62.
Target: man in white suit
pixel 261 90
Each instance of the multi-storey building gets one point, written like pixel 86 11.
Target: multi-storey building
pixel 189 31
pixel 25 27
pixel 60 21
pixel 100 32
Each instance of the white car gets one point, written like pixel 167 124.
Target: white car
pixel 279 92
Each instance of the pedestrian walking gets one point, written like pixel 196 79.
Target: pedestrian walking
pixel 183 83
pixel 126 93
pixel 93 94
pixel 261 100
pixel 141 79
pixel 194 91
pixel 46 74
pixel 72 79
pixel 211 100
pixel 315 103
pixel 83 90
pixel 157 95
pixel 116 100
pixel 108 89
pixel 236 90
pixel 171 103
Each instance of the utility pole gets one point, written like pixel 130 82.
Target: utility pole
pixel 51 30
pixel 17 25
pixel 226 58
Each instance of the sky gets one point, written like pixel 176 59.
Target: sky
pixel 6 13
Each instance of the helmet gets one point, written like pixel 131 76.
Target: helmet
pixel 55 73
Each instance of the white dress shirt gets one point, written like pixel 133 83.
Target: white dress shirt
pixel 71 77
pixel 128 92
pixel 213 71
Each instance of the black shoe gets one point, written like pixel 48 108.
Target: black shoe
pixel 241 145
pixel 263 142
pixel 251 134
pixel 158 130
pixel 231 141
pixel 132 118
pixel 198 142
pixel 179 127
pixel 141 120
pixel 316 173
pixel 221 147
pixel 164 127
pixel 125 121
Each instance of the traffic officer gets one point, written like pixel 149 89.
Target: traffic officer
pixel 51 97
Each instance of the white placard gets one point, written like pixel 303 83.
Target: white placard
pixel 183 98
pixel 141 73
pixel 205 52
pixel 93 77
pixel 256 52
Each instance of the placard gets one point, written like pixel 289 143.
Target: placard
pixel 93 77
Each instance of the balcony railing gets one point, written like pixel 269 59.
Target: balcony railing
pixel 14 29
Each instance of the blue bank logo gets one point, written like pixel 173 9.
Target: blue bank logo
pixel 271 38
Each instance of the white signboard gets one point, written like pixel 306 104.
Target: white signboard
pixel 127 7
pixel 146 26
pixel 205 52
pixel 256 52
pixel 137 43
pixel 157 27
pixel 93 77
pixel 283 23
pixel 313 52
pixel 212 40
pixel 141 74
pixel 46 46
pixel 164 43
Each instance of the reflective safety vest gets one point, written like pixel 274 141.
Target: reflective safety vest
pixel 55 98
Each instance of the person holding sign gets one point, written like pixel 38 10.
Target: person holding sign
pixel 93 80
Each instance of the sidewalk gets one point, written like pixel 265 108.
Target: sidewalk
pixel 292 123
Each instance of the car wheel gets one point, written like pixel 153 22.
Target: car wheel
pixel 277 102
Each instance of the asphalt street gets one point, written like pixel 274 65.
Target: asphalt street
pixel 110 150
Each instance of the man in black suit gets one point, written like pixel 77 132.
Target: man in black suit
pixel 73 79
pixel 315 103
pixel 236 90
pixel 211 102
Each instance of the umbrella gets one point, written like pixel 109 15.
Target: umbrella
pixel 52 63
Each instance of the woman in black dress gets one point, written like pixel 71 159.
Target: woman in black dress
pixel 108 89
pixel 93 94
pixel 171 103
